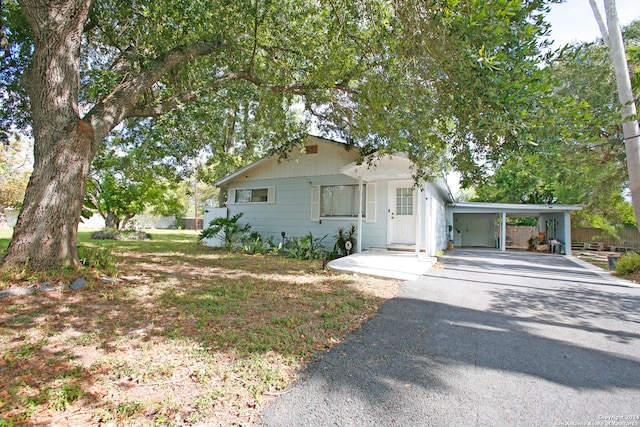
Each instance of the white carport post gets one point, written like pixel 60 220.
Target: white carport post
pixel 503 231
pixel 359 243
pixel 419 222
pixel 567 233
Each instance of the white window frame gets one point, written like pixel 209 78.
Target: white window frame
pixel 271 196
pixel 368 202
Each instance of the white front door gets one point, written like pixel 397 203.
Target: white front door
pixel 402 218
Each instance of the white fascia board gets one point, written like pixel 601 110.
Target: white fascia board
pixel 510 208
pixel 385 167
pixel 227 179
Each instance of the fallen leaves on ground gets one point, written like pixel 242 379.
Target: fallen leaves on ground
pixel 201 337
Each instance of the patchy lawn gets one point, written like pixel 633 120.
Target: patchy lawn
pixel 199 337
pixel 600 259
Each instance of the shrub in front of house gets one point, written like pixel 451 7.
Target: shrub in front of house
pixel 344 235
pixel 628 263
pixel 255 244
pixel 228 230
pixel 113 234
pixel 306 247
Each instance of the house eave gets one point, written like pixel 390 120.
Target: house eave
pixel 511 209
pixel 390 167
pixel 246 169
pixel 227 179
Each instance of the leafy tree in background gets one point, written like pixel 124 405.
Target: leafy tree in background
pixel 613 39
pixel 584 161
pixel 15 168
pixel 130 174
pixel 442 81
pixel 520 180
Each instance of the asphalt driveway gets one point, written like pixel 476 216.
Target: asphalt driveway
pixel 488 338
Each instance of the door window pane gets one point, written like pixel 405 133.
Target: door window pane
pixel 404 201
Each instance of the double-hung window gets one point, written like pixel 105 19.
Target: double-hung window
pixel 252 195
pixel 340 201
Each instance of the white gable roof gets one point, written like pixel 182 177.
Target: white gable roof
pixel 329 157
pixel 397 166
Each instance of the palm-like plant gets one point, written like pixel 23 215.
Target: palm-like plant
pixel 343 236
pixel 229 230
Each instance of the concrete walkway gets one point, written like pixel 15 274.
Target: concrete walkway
pixel 487 339
pixel 391 264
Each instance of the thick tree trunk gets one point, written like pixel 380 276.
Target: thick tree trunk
pixel 46 231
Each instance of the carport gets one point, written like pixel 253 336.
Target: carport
pixel 484 224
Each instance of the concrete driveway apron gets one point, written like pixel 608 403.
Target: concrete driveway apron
pixel 487 338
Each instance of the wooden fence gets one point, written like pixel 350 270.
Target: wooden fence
pixel 594 238
pixel 626 239
pixel 518 235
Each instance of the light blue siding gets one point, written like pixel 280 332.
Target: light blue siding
pixel 436 225
pixel 291 211
pixel 293 202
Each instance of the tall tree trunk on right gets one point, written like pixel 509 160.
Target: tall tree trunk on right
pixel 612 35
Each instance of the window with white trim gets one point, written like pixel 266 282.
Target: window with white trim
pixel 252 195
pixel 340 201
pixel 404 201
pixel 368 202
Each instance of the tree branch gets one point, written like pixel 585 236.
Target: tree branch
pixel 256 24
pixel 601 24
pixel 159 109
pixel 91 23
pixel 295 88
pixel 113 108
pixel 123 101
pixel 141 110
pixel 122 64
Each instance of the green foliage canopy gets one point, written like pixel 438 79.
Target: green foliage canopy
pixel 581 159
pixel 127 178
pixel 443 81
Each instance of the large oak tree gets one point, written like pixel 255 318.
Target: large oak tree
pixel 443 81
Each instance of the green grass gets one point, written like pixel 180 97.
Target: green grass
pixel 200 328
pixel 5 238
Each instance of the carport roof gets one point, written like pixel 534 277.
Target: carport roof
pixel 511 209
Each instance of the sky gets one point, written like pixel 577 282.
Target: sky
pixel 573 20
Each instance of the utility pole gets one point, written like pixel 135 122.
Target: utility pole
pixel 195 193
pixel 612 36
